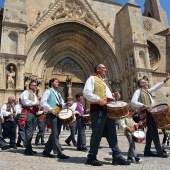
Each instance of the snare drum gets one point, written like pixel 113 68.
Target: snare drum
pixel 138 136
pixel 117 110
pixel 66 116
pixel 161 115
pixel 86 119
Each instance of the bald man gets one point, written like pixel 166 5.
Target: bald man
pixel 9 127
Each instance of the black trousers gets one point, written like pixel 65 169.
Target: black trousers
pixel 152 135
pixel 73 129
pixel 81 136
pixel 53 140
pixel 41 128
pixel 2 141
pixel 9 130
pixel 101 124
pixel 29 130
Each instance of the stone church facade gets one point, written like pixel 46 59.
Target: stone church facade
pixel 67 38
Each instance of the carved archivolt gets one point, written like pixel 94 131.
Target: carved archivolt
pixel 73 9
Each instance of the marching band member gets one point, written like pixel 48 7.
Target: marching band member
pixel 78 109
pixel 142 99
pixel 9 127
pixel 3 144
pixel 129 127
pixel 98 93
pixel 52 100
pixel 41 115
pixel 30 103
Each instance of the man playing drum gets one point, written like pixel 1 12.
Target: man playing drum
pixel 142 99
pixel 98 93
pixel 52 102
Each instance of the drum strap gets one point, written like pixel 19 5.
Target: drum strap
pixel 58 99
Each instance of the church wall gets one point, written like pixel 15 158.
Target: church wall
pixel 152 26
pixel 160 43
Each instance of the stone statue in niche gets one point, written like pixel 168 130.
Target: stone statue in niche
pixel 10 78
pixel 69 86
pixel 26 85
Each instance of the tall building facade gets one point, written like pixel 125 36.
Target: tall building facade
pixel 67 38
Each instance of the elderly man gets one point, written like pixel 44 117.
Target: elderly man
pixel 142 99
pixel 9 127
pixel 98 93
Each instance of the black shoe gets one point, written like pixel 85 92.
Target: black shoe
pixel 75 144
pixel 82 149
pixel 34 152
pixel 43 143
pixel 67 143
pixel 94 162
pixel 36 143
pixel 28 153
pixel 149 154
pixel 62 156
pixel 19 145
pixel 138 160
pixel 164 155
pixel 5 147
pixel 130 159
pixel 45 154
pixel 120 161
pixel 13 146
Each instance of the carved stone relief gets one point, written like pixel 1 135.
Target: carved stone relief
pixel 68 66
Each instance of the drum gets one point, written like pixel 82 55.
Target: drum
pixel 138 136
pixel 117 110
pixel 161 115
pixel 66 116
pixel 143 116
pixel 86 119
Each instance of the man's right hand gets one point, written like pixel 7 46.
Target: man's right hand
pixel 128 129
pixel 38 103
pixel 146 107
pixel 53 112
pixel 101 102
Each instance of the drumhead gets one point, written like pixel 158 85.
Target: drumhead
pixel 65 113
pixel 86 115
pixel 159 108
pixel 139 134
pixel 117 104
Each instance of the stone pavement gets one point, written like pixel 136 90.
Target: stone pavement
pixel 15 160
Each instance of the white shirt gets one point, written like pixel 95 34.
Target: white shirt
pixel 74 106
pixel 89 89
pixel 45 97
pixel 25 99
pixel 5 113
pixel 135 98
pixel 17 109
pixel 122 123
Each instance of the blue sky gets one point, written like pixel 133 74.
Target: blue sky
pixel 164 3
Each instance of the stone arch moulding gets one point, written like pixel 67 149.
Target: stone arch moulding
pixel 154 55
pixel 71 37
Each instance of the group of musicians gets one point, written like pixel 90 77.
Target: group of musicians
pixel 98 93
